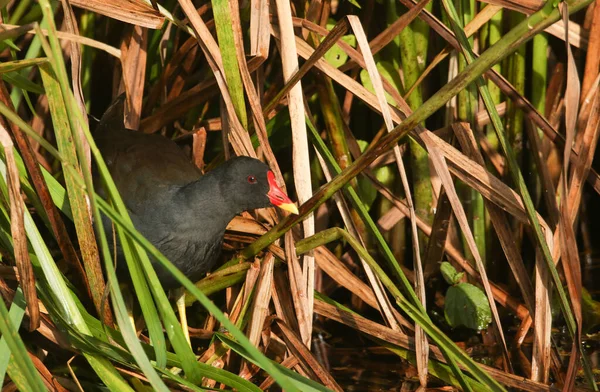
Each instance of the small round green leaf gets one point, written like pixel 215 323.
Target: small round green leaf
pixel 336 55
pixel 467 305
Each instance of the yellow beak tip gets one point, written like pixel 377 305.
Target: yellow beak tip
pixel 290 207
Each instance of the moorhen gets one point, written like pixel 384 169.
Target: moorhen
pixel 182 212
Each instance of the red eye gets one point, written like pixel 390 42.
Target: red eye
pixel 251 180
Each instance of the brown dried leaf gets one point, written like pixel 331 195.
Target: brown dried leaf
pixel 298 287
pixel 500 295
pixel 592 59
pixel 17 229
pixel 443 173
pixel 262 299
pixel 523 6
pixel 133 52
pixel 129 11
pixel 422 346
pixel 259 28
pixel 75 54
pixel 309 362
pixel 253 97
pixel 239 138
pixel 383 303
pixel 300 157
pixel 501 224
pixel 68 37
pixel 58 227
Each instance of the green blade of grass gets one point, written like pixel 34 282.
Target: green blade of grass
pixel 99 344
pixel 408 288
pixel 21 368
pixel 15 314
pixel 76 194
pixel 20 81
pixel 513 39
pixel 62 297
pixel 419 161
pixel 11 66
pixel 263 362
pixel 223 24
pixel 73 117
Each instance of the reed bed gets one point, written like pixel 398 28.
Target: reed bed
pixel 441 152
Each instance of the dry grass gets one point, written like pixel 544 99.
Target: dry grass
pixel 348 295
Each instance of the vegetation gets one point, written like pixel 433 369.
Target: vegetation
pixel 441 154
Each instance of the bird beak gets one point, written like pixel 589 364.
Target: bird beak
pixel 277 197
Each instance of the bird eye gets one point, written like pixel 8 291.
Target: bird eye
pixel 251 180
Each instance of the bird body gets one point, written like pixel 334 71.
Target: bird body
pixel 180 211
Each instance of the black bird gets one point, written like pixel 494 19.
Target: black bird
pixel 182 212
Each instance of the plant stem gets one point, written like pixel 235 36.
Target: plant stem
pixel 539 82
pixel 421 34
pixel 495 33
pixel 419 160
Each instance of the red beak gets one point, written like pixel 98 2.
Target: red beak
pixel 277 197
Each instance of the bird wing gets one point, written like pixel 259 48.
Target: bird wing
pixel 143 166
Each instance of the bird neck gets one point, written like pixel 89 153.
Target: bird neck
pixel 208 197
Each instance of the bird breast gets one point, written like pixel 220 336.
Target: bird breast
pixel 192 256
